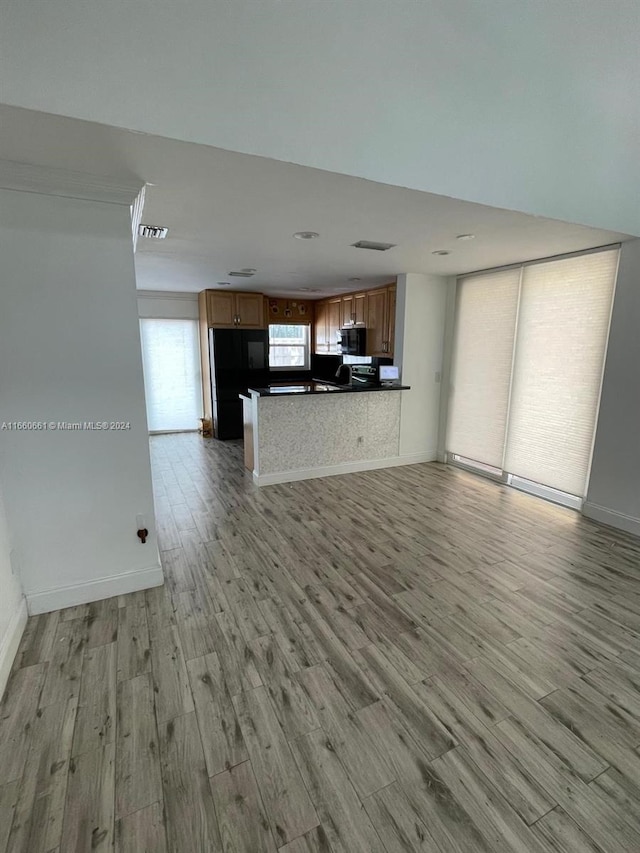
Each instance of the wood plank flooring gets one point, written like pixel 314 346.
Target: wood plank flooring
pixel 411 659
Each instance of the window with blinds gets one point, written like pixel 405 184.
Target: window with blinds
pixel 527 367
pixel 171 363
pixel 289 347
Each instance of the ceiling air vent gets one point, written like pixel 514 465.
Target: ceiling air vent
pixel 157 232
pixel 375 247
pixel 242 274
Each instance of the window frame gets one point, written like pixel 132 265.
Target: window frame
pixel 306 347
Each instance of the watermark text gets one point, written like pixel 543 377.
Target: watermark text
pixel 64 426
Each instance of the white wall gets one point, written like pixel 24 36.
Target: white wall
pixel 614 486
pixel 524 106
pixel 447 360
pixel 154 304
pixel 420 320
pixel 13 612
pixel 70 352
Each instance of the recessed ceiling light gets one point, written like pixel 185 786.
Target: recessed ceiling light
pixel 466 237
pixel 309 289
pixel 441 252
pixel 224 283
pixel 354 278
pixel 249 270
pixel 306 235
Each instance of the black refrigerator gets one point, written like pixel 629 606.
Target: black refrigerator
pixel 239 360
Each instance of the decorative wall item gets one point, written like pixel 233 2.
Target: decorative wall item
pixel 293 310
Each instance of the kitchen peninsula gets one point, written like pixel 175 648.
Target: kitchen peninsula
pixel 316 429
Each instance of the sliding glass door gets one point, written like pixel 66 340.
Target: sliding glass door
pixel 481 369
pixel 529 350
pixel 171 362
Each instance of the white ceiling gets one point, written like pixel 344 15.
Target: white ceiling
pixel 226 211
pixel 520 104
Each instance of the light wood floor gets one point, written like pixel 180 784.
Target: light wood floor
pixel 405 660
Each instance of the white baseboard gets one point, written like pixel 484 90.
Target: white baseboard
pixel 342 468
pixel 612 518
pixel 10 642
pixel 82 593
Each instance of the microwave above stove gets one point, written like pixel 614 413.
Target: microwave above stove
pixel 353 341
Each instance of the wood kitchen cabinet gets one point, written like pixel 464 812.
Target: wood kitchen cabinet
pixel 221 309
pixel 346 311
pixel 235 310
pixel 354 310
pixel 250 311
pixel 334 324
pixel 327 325
pixel 381 321
pixel 377 309
pixel 373 309
pixel 321 328
pixel 360 309
pixel 391 320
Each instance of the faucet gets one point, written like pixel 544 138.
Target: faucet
pixel 343 374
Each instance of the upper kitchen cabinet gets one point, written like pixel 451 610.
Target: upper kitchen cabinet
pixel 334 322
pixel 377 310
pixel 360 309
pixel 235 310
pixel 221 310
pixel 354 310
pixel 250 311
pixel 374 310
pixel 321 328
pixel 381 320
pixel 391 319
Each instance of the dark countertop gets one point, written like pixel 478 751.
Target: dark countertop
pixel 318 386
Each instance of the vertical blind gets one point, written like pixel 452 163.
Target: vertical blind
pixel 481 368
pixel 544 404
pixel 171 362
